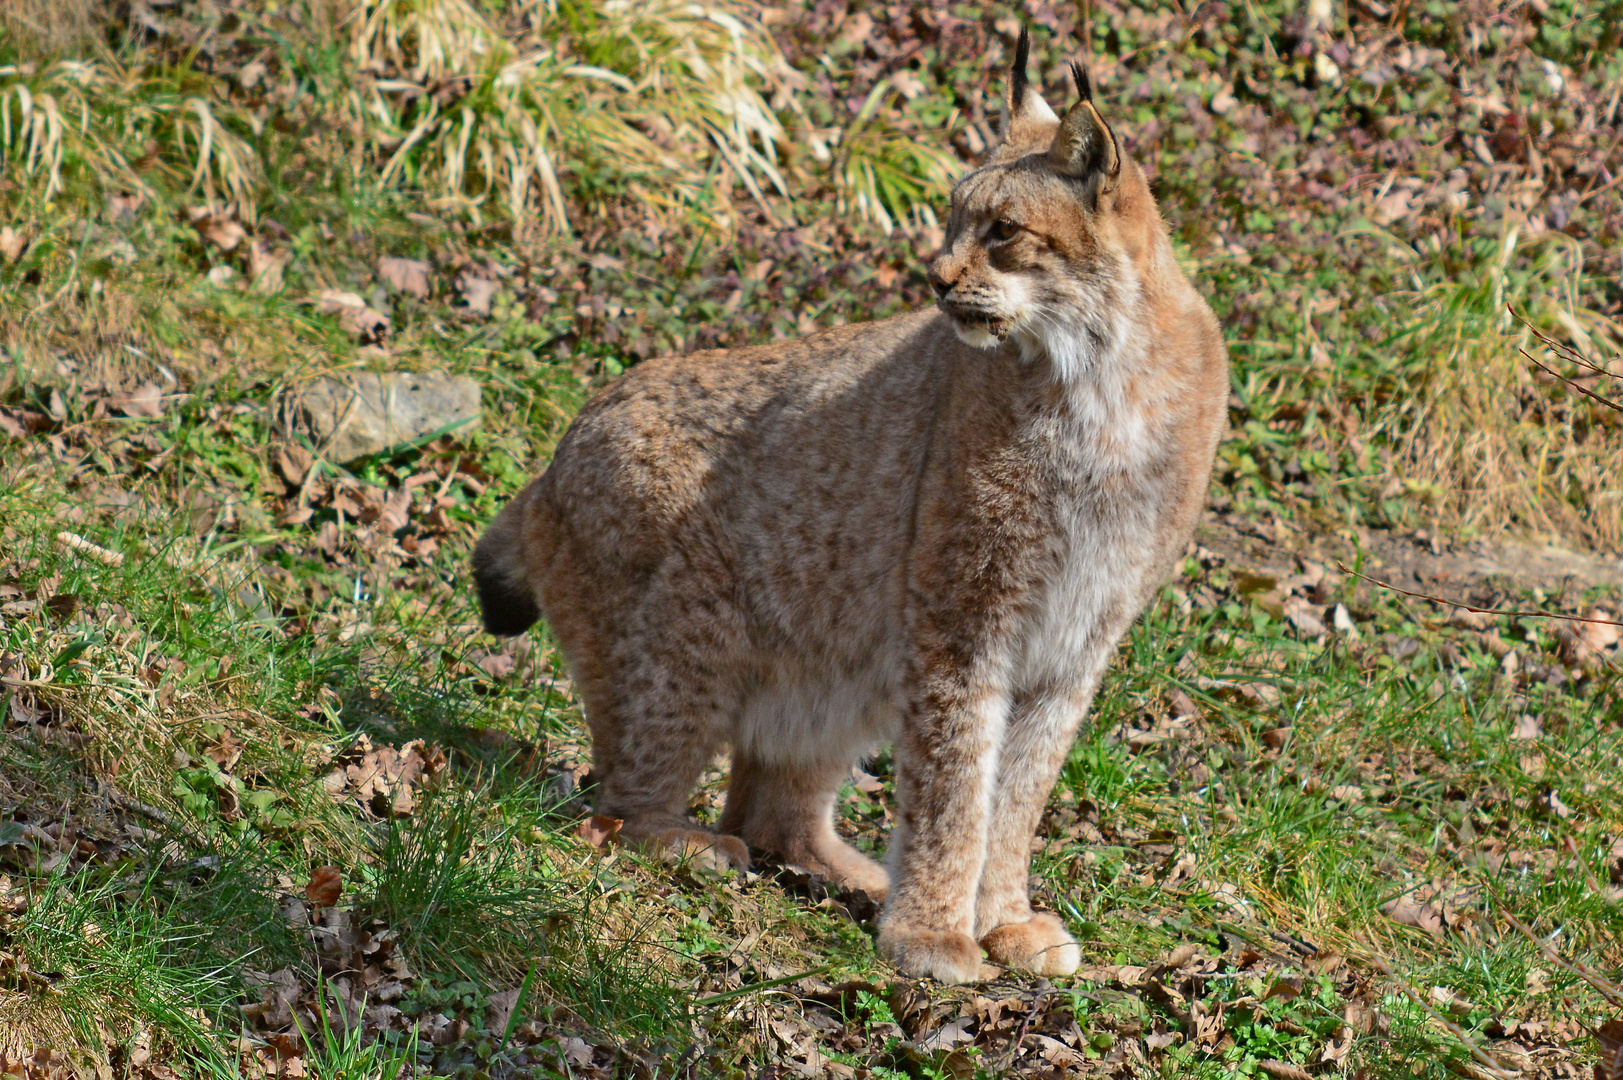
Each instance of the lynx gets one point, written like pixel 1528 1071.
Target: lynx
pixel 929 530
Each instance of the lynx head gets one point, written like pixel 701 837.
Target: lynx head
pixel 1049 241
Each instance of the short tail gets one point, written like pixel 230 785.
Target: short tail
pixel 506 596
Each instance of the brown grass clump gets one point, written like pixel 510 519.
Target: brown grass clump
pixel 1487 439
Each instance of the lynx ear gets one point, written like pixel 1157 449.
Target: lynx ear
pixel 1026 116
pixel 1085 146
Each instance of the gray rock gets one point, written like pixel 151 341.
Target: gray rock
pixel 362 413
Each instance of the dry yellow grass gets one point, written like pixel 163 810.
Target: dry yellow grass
pixel 1485 439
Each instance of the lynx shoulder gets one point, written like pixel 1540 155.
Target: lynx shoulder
pixel 929 530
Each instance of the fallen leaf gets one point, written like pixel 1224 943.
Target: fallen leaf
pixel 145 400
pixel 1182 706
pixel 1305 617
pixel 1553 802
pixel 410 276
pixel 1342 620
pixel 1409 911
pixel 1448 1001
pixel 575 1051
pixel 12 244
pixel 1609 1040
pixel 478 292
pixel 353 314
pixel 948 1035
pixel 218 227
pixel 265 266
pixel 326 886
pixel 600 830
pixel 1528 727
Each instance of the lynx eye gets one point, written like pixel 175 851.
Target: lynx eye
pixel 1003 230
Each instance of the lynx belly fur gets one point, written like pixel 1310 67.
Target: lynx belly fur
pixel 930 530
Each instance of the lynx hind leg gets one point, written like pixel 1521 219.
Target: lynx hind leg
pixel 648 779
pixel 788 810
pixel 657 719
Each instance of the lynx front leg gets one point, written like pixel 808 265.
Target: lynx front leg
pixel 946 766
pixel 1034 748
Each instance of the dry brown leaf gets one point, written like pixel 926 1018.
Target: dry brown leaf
pixel 1182 706
pixel 600 831
pixel 497 665
pixel 1417 908
pixel 326 886
pixel 353 314
pixel 265 266
pixel 218 227
pixel 384 780
pixel 478 292
pixel 1181 955
pixel 948 1035
pixel 12 244
pixel 225 752
pixel 1609 1040
pixel 410 276
pixel 1284 1070
pixel 575 1051
pixel 1207 1021
pixel 145 400
pixel 1305 616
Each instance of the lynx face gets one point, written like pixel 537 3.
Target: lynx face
pixel 1047 237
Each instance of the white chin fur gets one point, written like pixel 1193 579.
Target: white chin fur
pixel 975 335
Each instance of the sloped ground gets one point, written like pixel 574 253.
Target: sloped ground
pixel 271 804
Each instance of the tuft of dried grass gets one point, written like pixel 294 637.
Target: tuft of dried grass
pixel 882 174
pixel 1484 438
pixel 489 110
pixel 83 111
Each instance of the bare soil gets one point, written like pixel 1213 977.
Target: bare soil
pixel 1482 570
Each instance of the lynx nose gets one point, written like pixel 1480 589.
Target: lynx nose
pixel 940 284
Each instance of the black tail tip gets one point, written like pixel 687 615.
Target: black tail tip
pixel 508 609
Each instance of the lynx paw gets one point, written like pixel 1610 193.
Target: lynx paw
pixel 848 868
pixel 1040 944
pixel 698 846
pixel 945 955
pixel 861 872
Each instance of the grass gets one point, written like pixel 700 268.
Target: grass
pixel 1312 826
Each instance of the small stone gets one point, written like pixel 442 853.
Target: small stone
pixel 358 414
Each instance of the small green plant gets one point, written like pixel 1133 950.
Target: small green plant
pixel 350 1053
pixel 462 892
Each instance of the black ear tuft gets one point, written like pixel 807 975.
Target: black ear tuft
pixel 1084 85
pixel 1017 76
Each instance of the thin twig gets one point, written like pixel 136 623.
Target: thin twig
pixel 1608 990
pixel 1572 383
pixel 135 806
pixel 1565 350
pixel 69 541
pixel 1020 1036
pixel 1508 612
